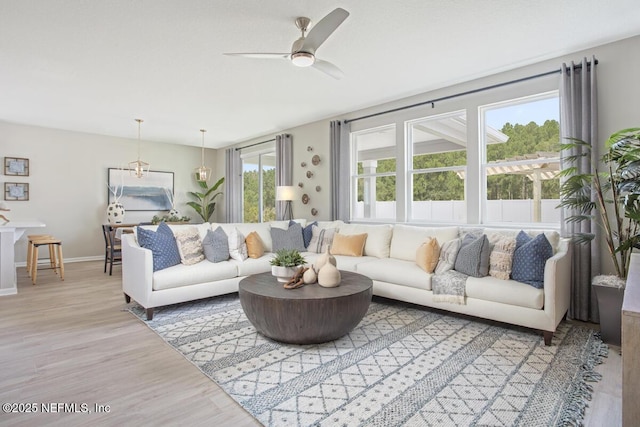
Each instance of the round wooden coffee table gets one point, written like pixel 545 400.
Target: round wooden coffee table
pixel 307 315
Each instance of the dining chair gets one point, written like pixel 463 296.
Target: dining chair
pixel 113 248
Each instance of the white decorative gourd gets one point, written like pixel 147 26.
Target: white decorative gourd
pixel 323 259
pixel 329 276
pixel 309 276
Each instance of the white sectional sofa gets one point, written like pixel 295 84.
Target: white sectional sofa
pixel 388 259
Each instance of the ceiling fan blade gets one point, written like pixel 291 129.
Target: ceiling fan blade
pixel 328 68
pixel 260 55
pixel 324 28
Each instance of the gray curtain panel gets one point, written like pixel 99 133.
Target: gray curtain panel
pixel 233 185
pixel 579 119
pixel 284 166
pixel 340 164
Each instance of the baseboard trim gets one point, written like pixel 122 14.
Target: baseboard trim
pixel 45 261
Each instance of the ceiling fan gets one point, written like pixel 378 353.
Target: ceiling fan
pixel 303 51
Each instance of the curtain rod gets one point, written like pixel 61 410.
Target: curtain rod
pixel 469 92
pixel 253 145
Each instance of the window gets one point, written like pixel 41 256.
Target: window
pixel 259 186
pixel 522 159
pixel 374 173
pixel 438 153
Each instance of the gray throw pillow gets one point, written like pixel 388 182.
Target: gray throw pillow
pixel 291 238
pixel 216 245
pixel 473 256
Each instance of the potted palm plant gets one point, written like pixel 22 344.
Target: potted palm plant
pixel 616 206
pixel 205 203
pixel 286 263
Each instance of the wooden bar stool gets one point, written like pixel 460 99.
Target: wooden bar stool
pixel 31 238
pixel 55 256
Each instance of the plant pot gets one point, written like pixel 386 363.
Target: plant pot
pixel 283 274
pixel 610 308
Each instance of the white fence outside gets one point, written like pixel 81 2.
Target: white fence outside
pixel 517 211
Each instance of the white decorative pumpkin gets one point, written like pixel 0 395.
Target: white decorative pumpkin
pixel 115 213
pixel 174 212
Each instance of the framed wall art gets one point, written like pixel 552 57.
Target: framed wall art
pixel 16 191
pixel 16 166
pixel 153 192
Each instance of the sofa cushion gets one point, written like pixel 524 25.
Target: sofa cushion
pixel 237 245
pixel 186 275
pixel 403 273
pixel 291 238
pixel 350 245
pixel 495 233
pixel 350 263
pixel 529 259
pixel 407 239
pixel 504 291
pixel 378 242
pixel 162 244
pixel 448 253
pixel 428 254
pixel 189 245
pixel 254 265
pixel 216 245
pixel 255 247
pixel 321 239
pixel 501 257
pixel 473 256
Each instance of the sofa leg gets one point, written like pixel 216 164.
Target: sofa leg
pixel 127 298
pixel 149 313
pixel 548 335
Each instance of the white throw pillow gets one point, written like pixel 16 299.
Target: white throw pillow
pixel 237 245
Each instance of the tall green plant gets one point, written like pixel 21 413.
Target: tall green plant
pixel 616 192
pixel 205 204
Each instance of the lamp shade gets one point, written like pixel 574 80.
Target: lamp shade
pixel 285 192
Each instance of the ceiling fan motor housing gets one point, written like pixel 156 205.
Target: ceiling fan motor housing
pixel 301 56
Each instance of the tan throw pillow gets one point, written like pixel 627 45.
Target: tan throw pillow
pixel 350 245
pixel 255 247
pixel 189 245
pixel 501 258
pixel 428 254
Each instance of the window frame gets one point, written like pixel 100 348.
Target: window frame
pixel 251 154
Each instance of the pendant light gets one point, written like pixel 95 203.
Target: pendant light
pixel 138 168
pixel 203 173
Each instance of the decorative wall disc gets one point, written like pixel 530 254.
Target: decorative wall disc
pixel 309 148
pixel 318 188
pixel 314 211
pixel 303 164
pixel 300 185
pixel 305 199
pixel 309 174
pixel 315 160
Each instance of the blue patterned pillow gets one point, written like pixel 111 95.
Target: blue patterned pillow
pixel 216 245
pixel 307 233
pixel 162 244
pixel 291 238
pixel 529 259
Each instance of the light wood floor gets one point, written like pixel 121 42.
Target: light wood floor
pixel 73 342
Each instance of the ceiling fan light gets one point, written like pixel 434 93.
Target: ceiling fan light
pixel 303 59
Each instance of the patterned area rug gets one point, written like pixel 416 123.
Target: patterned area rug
pixel 402 366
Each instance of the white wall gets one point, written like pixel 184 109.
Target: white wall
pixel 68 178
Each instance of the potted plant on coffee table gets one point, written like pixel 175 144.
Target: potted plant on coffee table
pixel 616 207
pixel 286 263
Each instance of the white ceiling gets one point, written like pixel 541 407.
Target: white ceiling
pixel 94 65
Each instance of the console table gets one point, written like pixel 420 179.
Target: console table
pixel 10 233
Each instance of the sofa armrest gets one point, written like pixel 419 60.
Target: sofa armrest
pixel 557 283
pixel 137 270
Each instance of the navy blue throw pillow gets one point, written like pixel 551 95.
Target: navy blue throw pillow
pixel 162 244
pixel 529 259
